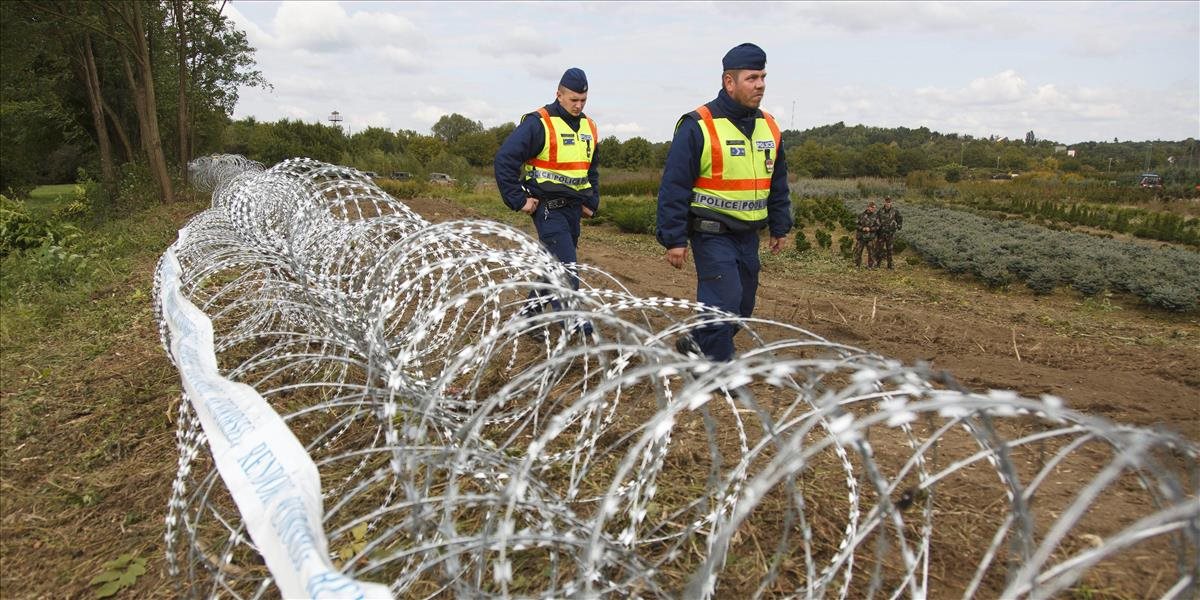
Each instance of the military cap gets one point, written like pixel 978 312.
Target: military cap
pixel 575 80
pixel 744 56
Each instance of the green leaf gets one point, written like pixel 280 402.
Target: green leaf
pixel 108 589
pixel 105 576
pixel 119 561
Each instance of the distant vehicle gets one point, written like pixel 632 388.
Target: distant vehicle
pixel 1150 180
pixel 401 175
pixel 441 178
pixel 370 174
pixel 1002 176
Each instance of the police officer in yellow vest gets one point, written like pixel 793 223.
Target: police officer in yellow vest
pixel 725 179
pixel 546 168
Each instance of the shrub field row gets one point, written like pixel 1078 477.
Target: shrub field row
pixel 1001 252
pixel 1153 225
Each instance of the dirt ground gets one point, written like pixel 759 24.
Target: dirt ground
pixel 1125 364
pixel 1106 357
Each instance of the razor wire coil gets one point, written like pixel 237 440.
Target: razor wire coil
pixel 468 445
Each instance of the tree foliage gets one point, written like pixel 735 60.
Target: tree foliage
pixel 122 81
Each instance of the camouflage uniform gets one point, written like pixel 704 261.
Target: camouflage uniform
pixel 890 221
pixel 864 235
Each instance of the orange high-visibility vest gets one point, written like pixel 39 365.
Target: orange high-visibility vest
pixel 566 155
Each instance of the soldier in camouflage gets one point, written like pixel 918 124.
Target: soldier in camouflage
pixel 864 234
pixel 890 221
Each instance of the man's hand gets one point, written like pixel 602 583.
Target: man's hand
pixel 777 244
pixel 676 256
pixel 587 212
pixel 531 204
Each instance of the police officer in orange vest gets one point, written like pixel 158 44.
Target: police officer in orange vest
pixel 725 179
pixel 546 168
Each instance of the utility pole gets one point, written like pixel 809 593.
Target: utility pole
pixel 793 124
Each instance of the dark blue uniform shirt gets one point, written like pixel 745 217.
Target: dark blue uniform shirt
pixel 683 167
pixel 526 142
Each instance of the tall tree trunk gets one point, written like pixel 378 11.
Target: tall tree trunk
pixel 141 80
pixel 119 129
pixel 91 82
pixel 184 122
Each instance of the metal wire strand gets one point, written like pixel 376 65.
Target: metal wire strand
pixel 474 438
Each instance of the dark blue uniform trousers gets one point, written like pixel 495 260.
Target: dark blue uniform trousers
pixel 558 230
pixel 727 268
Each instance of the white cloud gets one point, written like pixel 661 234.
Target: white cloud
pixel 1068 71
pixel 1003 88
pixel 295 112
pixel 401 59
pixel 521 40
pixel 1096 45
pixel 315 26
pixel 376 119
pixel 629 129
pixel 428 114
pixel 859 17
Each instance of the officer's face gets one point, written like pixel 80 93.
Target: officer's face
pixel 746 87
pixel 571 101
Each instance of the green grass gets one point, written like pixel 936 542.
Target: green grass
pixel 44 199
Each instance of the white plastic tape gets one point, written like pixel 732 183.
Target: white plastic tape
pixel 271 477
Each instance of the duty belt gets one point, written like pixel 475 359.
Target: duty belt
pixel 700 225
pixel 557 177
pixel 726 204
pixel 557 203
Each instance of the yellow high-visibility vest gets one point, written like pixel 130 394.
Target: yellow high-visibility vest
pixel 566 155
pixel 735 171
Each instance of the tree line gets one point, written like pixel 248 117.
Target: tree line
pixel 456 144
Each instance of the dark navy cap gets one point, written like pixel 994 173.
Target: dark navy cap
pixel 745 56
pixel 575 80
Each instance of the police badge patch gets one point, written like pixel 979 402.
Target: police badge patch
pixel 736 151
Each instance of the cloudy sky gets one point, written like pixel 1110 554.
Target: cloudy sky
pixel 1070 71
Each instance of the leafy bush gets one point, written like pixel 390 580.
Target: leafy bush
pixel 826 211
pixel 1088 281
pixel 837 189
pixel 400 190
pixel 823 239
pixel 846 246
pixel 962 242
pixel 802 243
pixel 925 182
pixel 40 249
pixel 635 217
pixel 875 187
pixel 19 231
pixel 135 188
